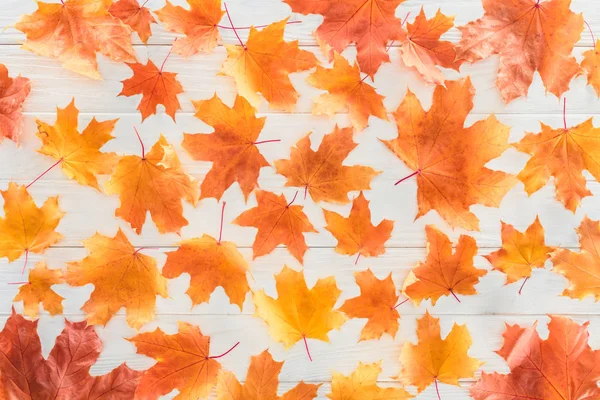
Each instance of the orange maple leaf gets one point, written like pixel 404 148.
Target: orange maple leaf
pixel 198 24
pixel 591 65
pixel 321 172
pixel 370 24
pixel 78 154
pixel 449 159
pixel 154 182
pixel 356 234
pixel 278 222
pixel 231 147
pixel 73 31
pixel 377 303
pixel 362 385
pixel 263 64
pixel 13 92
pixel 38 290
pixel 529 36
pixel 444 273
pixel 562 367
pixel 261 383
pixel 116 269
pixel 137 17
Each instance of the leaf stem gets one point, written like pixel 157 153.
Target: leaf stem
pixel 19 283
pixel 248 27
pixel 224 354
pixel 399 304
pixel 267 141
pixel 44 173
pixel 306 346
pixel 233 27
pixel 294 199
pixel 524 282
pixel 25 263
pixel 167 57
pixel 141 143
pixel 455 296
pixel 591 33
pixel 565 113
pixel 437 389
pixel 357 258
pixel 407 177
pixel 221 229
pixel 146 2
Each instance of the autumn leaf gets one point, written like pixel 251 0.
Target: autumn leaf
pixel 434 359
pixel 65 374
pixel 299 313
pixel 263 64
pixel 562 367
pixel 370 24
pixel 38 291
pixel 444 273
pixel 520 252
pixel 321 172
pixel 347 90
pixel 116 269
pixel 377 303
pixel 278 222
pixel 13 92
pixel 356 234
pixel 73 31
pixel 231 147
pixel 448 159
pixel 26 228
pixel 78 153
pixel 261 383
pixel 155 183
pixel 529 36
pixel 362 385
pixel 198 24
pixel 137 17
pixel 183 363
pixel 591 64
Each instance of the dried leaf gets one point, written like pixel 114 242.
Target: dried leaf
pixel 362 385
pixel 590 64
pixel 38 291
pixel 13 92
pixel 137 17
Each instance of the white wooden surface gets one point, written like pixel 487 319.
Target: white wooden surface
pixel 89 211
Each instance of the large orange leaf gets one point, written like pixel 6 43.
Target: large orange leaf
pixel 347 90
pixel 135 15
pixel 362 385
pixel 444 273
pixel 370 24
pixel 377 303
pixel 357 234
pixel 299 313
pixel 38 291
pixel 278 222
pixel 198 24
pixel 434 359
pixel 321 172
pixel 263 64
pixel 449 159
pixel 562 367
pixel 591 65
pixel 13 92
pixel 529 36
pixel 122 277
pixel 65 374
pixel 231 147
pixel 26 228
pixel 261 383
pixel 74 31
pixel 78 154
pixel 155 183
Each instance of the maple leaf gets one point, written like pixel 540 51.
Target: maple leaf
pixel 38 290
pixel 183 363
pixel 424 51
pixel 13 92
pixel 155 86
pixel 65 374
pixel 377 303
pixel 231 147
pixel 321 172
pixel 261 383
pixel 198 24
pixel 263 65
pixel 137 17
pixel 449 159
pixel 444 273
pixel 362 385
pixel 347 90
pixel 74 31
pixel 155 182
pixel 591 64
pixel 78 154
pixel 520 252
pixel 299 313
pixel 356 234
pixel 434 359
pixel 278 222
pixel 562 367
pixel 26 228
pixel 116 270
pixel 529 36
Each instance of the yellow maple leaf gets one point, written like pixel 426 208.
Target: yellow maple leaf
pixel 362 385
pixel 38 290
pixel 591 65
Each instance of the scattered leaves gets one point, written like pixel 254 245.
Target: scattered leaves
pixel 362 385
pixel 38 290
pixel 139 18
pixel 13 92
pixel 591 64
